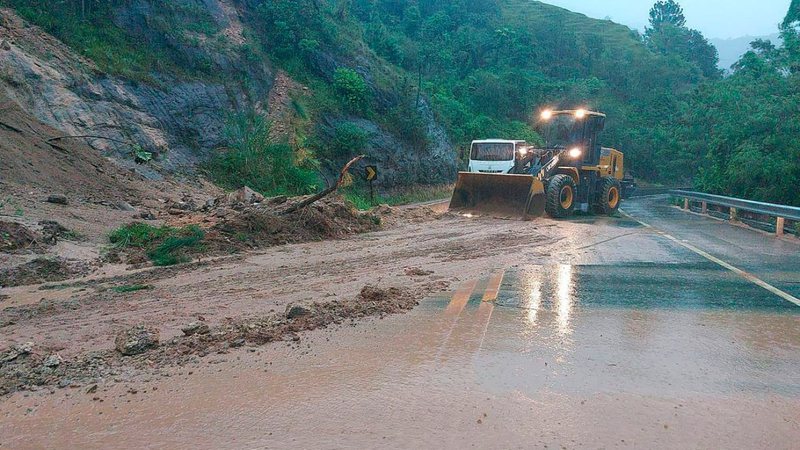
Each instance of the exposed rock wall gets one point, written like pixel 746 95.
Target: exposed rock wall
pixel 180 120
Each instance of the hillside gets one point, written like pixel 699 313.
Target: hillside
pixel 168 79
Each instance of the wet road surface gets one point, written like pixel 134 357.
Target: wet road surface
pixel 638 342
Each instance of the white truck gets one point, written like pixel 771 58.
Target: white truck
pixel 495 155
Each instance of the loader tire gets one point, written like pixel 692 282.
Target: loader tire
pixel 561 196
pixel 609 196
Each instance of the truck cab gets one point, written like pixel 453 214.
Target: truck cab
pixel 497 156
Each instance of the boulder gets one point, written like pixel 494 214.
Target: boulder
pixel 136 340
pixel 53 360
pixel 57 199
pixel 245 195
pixel 195 328
pixel 295 311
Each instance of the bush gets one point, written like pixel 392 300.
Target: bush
pixel 352 89
pixel 346 140
pixel 172 250
pixel 138 235
pixel 164 246
pixel 254 159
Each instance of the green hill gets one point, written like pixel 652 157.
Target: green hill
pixel 410 83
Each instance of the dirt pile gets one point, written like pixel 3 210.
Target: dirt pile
pixel 42 270
pixel 15 237
pixel 266 224
pixel 28 367
pixel 32 156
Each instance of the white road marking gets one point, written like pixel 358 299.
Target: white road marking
pixel 747 276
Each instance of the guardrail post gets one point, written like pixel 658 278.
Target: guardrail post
pixel 779 225
pixel 734 215
pixel 686 203
pixel 704 208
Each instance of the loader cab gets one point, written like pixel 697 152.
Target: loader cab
pixel 495 155
pixel 575 131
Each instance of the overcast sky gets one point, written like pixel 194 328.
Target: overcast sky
pixel 714 18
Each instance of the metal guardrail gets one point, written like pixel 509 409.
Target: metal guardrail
pixel 781 213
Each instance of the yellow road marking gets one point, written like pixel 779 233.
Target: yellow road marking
pixel 493 288
pixel 747 276
pixel 460 299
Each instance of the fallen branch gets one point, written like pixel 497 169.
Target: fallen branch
pixel 300 205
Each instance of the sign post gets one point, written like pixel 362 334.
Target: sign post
pixel 370 174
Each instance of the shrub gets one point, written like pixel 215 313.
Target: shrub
pixel 256 160
pixel 172 250
pixel 164 245
pixel 138 235
pixel 346 140
pixel 352 89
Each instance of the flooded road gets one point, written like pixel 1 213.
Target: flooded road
pixel 647 344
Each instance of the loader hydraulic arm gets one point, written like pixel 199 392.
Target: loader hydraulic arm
pixel 548 168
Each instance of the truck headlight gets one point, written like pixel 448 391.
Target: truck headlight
pixel 575 153
pixel 523 151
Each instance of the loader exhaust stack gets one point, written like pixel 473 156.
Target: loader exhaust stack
pixel 499 195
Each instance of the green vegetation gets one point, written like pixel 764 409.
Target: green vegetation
pixel 164 246
pixel 359 195
pixel 88 27
pixel 483 68
pixel 131 288
pixel 257 160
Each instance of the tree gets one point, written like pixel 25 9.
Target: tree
pixel 668 35
pixel 667 12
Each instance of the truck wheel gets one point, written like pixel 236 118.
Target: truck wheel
pixel 609 196
pixel 561 195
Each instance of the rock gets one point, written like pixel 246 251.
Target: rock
pixel 147 215
pixel 64 382
pixel 210 204
pixel 195 328
pixel 245 195
pixel 294 311
pixel 52 230
pixel 57 199
pixel 237 343
pixel 136 340
pixel 92 389
pixel 5 45
pixel 279 200
pixel 24 349
pixel 53 360
pixel 125 206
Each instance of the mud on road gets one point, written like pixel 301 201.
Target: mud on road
pixel 414 257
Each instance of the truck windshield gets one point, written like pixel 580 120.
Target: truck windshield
pixel 562 131
pixel 493 152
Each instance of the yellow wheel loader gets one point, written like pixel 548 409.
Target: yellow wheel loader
pixel 571 171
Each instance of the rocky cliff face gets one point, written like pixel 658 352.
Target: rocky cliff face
pixel 179 119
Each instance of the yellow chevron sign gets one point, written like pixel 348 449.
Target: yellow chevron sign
pixel 371 173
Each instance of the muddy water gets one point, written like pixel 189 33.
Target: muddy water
pixel 685 355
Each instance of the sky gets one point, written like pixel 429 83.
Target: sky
pixel 722 19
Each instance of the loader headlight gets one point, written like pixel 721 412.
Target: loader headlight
pixel 547 114
pixel 575 153
pixel 580 114
pixel 523 151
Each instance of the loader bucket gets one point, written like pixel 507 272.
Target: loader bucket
pixel 499 195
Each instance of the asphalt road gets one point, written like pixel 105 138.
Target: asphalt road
pixel 675 334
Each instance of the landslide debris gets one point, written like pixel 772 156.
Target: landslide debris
pixel 236 222
pixel 15 236
pixel 42 270
pixel 28 367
